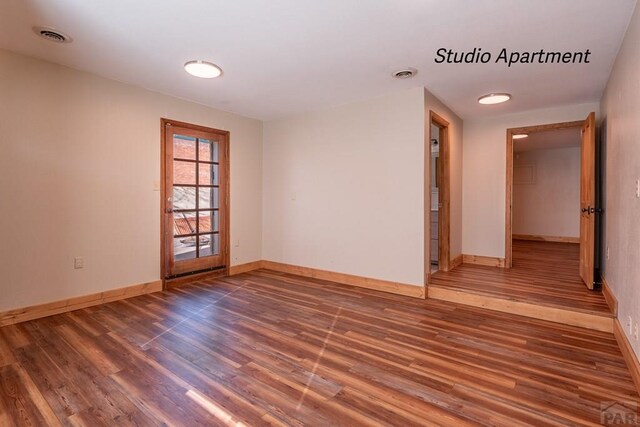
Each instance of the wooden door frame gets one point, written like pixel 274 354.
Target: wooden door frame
pixel 164 122
pixel 444 220
pixel 508 255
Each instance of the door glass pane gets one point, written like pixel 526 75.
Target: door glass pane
pixel 184 223
pixel 208 197
pixel 184 147
pixel 208 221
pixel 216 244
pixel 208 174
pixel 184 248
pixel 205 244
pixel 208 150
pixel 209 245
pixel 184 172
pixel 184 197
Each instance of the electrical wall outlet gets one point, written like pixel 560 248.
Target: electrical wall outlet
pixel 78 262
pixel 607 252
pixel 630 325
pixel 637 188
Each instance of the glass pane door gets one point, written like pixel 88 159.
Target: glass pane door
pixel 194 199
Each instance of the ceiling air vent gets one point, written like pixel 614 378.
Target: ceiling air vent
pixel 405 73
pixel 52 34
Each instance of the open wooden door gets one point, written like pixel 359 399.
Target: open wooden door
pixel 588 200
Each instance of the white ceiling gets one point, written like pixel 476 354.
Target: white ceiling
pixel 282 57
pixel 563 138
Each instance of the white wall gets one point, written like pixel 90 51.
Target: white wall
pixel 79 158
pixel 343 188
pixel 550 205
pixel 484 179
pixel 621 115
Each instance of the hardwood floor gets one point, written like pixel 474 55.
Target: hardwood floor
pixel 266 348
pixel 543 273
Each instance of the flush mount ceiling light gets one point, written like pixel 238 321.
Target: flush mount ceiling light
pixel 52 34
pixel 494 98
pixel 203 69
pixel 405 73
pixel 520 136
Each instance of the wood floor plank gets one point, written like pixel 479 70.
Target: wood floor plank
pixel 6 354
pixel 15 336
pixel 20 400
pixel 64 397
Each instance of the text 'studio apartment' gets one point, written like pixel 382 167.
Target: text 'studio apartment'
pixel 319 213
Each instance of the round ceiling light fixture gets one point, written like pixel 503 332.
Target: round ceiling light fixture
pixel 405 73
pixel 520 136
pixel 52 35
pixel 203 69
pixel 494 98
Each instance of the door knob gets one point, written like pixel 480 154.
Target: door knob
pixel 585 210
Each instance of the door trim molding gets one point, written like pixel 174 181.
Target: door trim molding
pixel 163 191
pixel 444 195
pixel 508 255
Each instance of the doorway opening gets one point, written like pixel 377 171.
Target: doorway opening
pixel 194 200
pixel 438 184
pixel 544 279
pixel 550 200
